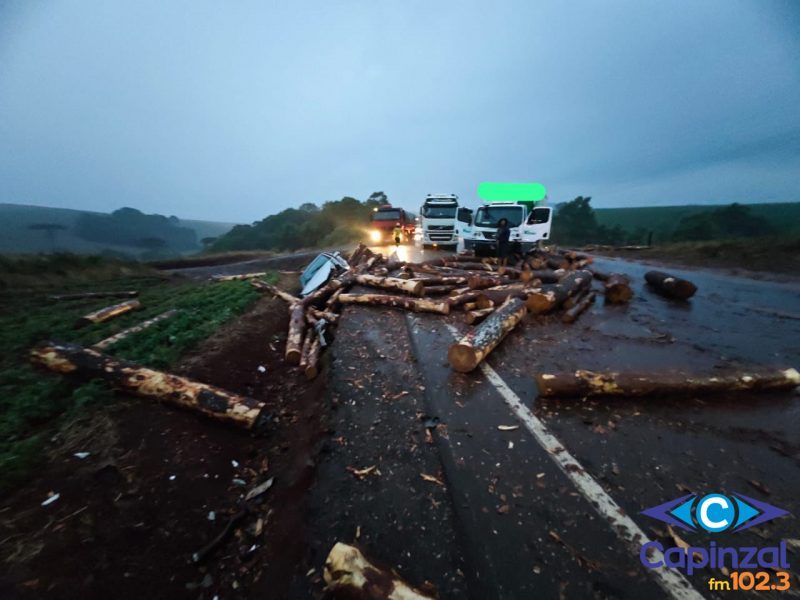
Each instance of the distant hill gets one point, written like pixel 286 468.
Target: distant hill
pixel 31 229
pixel 784 217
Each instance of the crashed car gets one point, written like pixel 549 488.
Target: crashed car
pixel 319 270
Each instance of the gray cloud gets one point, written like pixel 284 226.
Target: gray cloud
pixel 234 111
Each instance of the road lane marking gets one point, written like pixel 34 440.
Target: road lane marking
pixel 670 580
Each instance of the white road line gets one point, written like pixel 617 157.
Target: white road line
pixel 670 580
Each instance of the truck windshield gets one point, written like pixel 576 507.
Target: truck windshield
pixel 438 212
pixel 386 215
pixel 488 216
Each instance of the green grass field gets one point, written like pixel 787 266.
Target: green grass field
pixel 34 403
pixel 785 217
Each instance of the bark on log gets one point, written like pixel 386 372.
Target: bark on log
pixel 84 295
pixel 148 383
pixel 311 368
pixel 547 275
pixel 549 298
pixel 442 280
pixel 297 327
pixel 670 286
pixel 470 306
pixel 275 291
pixel 480 282
pixel 437 290
pixel 473 266
pixel 110 341
pixel 466 354
pixel 559 262
pixel 571 315
pixel 333 301
pixel 462 298
pixel 348 574
pixel 242 277
pixel 415 304
pixel 589 383
pixel 488 298
pixel 355 256
pixel 474 317
pixel 308 337
pixel 408 286
pixel 109 312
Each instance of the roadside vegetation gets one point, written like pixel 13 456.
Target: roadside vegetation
pixel 34 404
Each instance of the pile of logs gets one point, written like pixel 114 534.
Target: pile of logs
pixel 493 297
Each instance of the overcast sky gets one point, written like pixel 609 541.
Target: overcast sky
pixel 234 110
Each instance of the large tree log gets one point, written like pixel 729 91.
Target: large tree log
pixel 581 304
pixel 589 383
pixel 617 289
pixel 109 312
pixel 316 314
pixel 348 574
pixel 437 290
pixel 408 286
pixel 297 327
pixel 275 291
pixel 547 275
pixel 311 368
pixel 479 282
pixel 466 354
pixel 84 295
pixel 355 256
pixel 241 277
pixel 110 341
pixel 473 317
pixel 442 280
pixel 670 286
pixel 549 298
pixel 474 266
pixel 463 297
pixel 148 383
pixel 487 298
pixel 415 304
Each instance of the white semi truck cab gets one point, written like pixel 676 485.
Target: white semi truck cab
pixel 529 224
pixel 438 220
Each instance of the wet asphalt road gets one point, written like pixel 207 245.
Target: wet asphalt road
pixel 508 521
pixel 529 531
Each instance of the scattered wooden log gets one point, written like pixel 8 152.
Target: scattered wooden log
pixel 135 379
pixel 589 383
pixel 409 286
pixel 549 298
pixel 316 314
pixel 241 277
pixel 110 341
pixel 297 328
pixel 547 275
pixel 581 304
pixel 467 353
pixel 311 368
pixel 470 306
pixel 415 304
pixel 348 574
pixel 332 302
pixel 670 286
pixel 355 256
pixel 617 288
pixel 275 291
pixel 442 280
pixel 475 266
pixel 85 295
pixel 463 297
pixel 474 317
pixel 437 290
pixel 479 282
pixel 487 298
pixel 109 312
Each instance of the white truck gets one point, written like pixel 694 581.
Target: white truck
pixel 437 219
pixel 530 224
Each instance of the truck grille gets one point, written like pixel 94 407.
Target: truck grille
pixel 490 235
pixel 440 227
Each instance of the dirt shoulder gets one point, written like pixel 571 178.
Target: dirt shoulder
pixel 159 484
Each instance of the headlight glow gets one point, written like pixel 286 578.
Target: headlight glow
pixel 375 235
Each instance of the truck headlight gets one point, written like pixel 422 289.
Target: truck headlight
pixel 375 235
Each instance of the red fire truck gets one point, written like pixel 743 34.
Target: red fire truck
pixel 384 219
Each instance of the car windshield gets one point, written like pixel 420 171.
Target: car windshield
pixel 386 215
pixel 488 216
pixel 438 212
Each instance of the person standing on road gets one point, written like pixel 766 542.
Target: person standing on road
pixel 398 234
pixel 503 240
